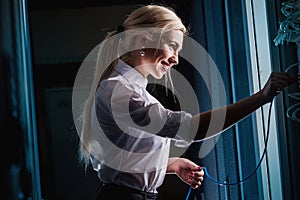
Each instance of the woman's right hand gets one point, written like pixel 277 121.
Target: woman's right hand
pixel 187 171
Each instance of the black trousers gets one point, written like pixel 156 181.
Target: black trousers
pixel 113 191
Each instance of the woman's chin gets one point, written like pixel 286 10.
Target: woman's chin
pixel 158 76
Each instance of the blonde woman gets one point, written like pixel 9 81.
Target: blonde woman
pixel 126 132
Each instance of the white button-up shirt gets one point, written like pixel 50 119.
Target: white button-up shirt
pixel 131 131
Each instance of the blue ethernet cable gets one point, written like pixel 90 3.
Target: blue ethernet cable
pixel 249 176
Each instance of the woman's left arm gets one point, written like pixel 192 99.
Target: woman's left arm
pixel 235 112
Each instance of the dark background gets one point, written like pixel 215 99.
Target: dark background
pixel 39 140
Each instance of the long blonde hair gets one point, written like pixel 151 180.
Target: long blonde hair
pixel 143 17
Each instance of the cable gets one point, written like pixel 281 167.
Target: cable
pixel 289 29
pixel 294 109
pixel 249 176
pixel 189 193
pixel 292 112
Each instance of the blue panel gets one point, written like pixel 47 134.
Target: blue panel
pixel 219 27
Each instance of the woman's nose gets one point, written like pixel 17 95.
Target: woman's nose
pixel 174 60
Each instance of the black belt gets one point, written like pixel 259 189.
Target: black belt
pixel 124 191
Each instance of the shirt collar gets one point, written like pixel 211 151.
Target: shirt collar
pixel 131 74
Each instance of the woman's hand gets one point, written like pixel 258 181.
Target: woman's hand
pixel 186 170
pixel 276 82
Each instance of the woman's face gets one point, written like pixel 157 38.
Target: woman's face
pixel 158 62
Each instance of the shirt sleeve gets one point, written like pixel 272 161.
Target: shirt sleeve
pixel 130 109
pixel 151 117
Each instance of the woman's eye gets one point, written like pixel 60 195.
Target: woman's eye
pixel 173 46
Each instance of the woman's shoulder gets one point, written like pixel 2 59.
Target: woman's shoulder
pixel 114 82
pixel 115 86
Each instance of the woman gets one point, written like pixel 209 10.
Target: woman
pixel 127 132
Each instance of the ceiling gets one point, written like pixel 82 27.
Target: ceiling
pixel 56 4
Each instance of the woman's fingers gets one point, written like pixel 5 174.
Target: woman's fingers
pixel 286 76
pixel 276 82
pixel 197 179
pixel 199 174
pixel 196 184
pixel 282 79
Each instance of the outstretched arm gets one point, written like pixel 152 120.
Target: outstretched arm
pixel 239 110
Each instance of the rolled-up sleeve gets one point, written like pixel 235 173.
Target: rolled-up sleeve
pixel 156 119
pixel 134 110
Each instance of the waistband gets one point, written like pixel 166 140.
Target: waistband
pixel 128 190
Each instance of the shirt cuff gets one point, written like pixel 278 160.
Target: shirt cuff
pixel 183 137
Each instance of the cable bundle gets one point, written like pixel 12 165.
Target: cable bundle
pixel 289 29
pixel 293 112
